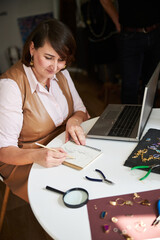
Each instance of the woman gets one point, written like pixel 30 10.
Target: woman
pixel 38 101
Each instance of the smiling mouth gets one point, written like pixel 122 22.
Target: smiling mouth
pixel 50 71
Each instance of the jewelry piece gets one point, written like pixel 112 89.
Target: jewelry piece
pixel 103 214
pixel 95 207
pixel 106 228
pixel 46 87
pixel 115 229
pixel 140 226
pixel 136 196
pixel 129 227
pixel 114 219
pixel 126 236
pixel 123 233
pixel 148 139
pixel 141 201
pixel 140 153
pixel 156 156
pixel 121 202
pixel 145 202
pixel 129 215
pixel 152 147
pixel 147 159
pixel 31 62
pixel 113 203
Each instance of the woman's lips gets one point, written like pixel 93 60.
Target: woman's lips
pixel 50 71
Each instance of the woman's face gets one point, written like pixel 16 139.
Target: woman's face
pixel 46 60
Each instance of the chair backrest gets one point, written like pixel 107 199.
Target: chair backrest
pixel 4 204
pixel 1 179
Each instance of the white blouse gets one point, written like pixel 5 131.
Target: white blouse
pixel 11 113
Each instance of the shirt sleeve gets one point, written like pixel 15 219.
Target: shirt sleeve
pixel 77 101
pixel 11 116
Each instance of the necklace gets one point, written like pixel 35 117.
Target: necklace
pixel 46 87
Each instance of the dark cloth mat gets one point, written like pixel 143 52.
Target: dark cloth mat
pixel 151 138
pixel 129 217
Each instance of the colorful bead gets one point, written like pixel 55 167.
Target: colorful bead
pixel 106 228
pixel 103 214
pixel 148 139
pixel 114 219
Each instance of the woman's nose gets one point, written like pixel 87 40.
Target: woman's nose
pixel 55 65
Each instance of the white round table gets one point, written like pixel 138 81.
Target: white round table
pixel 65 223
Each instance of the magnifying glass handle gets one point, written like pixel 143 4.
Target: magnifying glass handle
pixel 54 190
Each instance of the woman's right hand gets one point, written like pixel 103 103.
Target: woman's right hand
pixel 50 158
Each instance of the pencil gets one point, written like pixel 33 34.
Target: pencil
pixel 41 145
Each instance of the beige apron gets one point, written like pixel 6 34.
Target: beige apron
pixel 37 127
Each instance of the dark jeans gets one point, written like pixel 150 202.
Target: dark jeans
pixel 139 55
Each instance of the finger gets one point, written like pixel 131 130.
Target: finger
pixel 61 150
pixel 67 136
pixel 53 161
pixel 59 154
pixel 75 138
pixel 81 136
pixel 82 139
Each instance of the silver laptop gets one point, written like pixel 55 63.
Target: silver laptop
pixel 126 121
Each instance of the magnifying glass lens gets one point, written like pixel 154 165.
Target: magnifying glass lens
pixel 73 198
pixel 76 197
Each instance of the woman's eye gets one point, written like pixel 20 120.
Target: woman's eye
pixel 48 58
pixel 61 60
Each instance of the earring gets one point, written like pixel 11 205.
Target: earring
pixel 31 62
pixel 64 66
pixel 140 200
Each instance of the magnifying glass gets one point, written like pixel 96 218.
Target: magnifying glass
pixel 73 198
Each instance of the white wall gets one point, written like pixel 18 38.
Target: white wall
pixel 9 30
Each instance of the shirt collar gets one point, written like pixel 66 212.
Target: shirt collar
pixel 34 84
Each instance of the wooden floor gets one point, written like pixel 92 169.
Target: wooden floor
pixel 19 222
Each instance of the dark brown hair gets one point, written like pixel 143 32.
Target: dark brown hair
pixel 57 34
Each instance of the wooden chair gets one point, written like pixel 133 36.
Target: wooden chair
pixel 4 204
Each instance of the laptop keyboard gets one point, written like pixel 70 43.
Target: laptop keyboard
pixel 126 121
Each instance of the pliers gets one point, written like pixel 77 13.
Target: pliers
pixel 99 180
pixel 157 220
pixel 150 169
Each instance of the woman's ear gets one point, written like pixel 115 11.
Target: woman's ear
pixel 31 48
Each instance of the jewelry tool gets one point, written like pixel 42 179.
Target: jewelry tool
pixel 43 146
pixel 157 220
pixel 99 180
pixel 149 171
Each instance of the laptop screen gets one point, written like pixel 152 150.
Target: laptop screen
pixel 148 100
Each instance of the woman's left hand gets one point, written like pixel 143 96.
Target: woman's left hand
pixel 75 131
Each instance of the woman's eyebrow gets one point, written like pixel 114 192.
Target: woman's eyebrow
pixel 50 55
